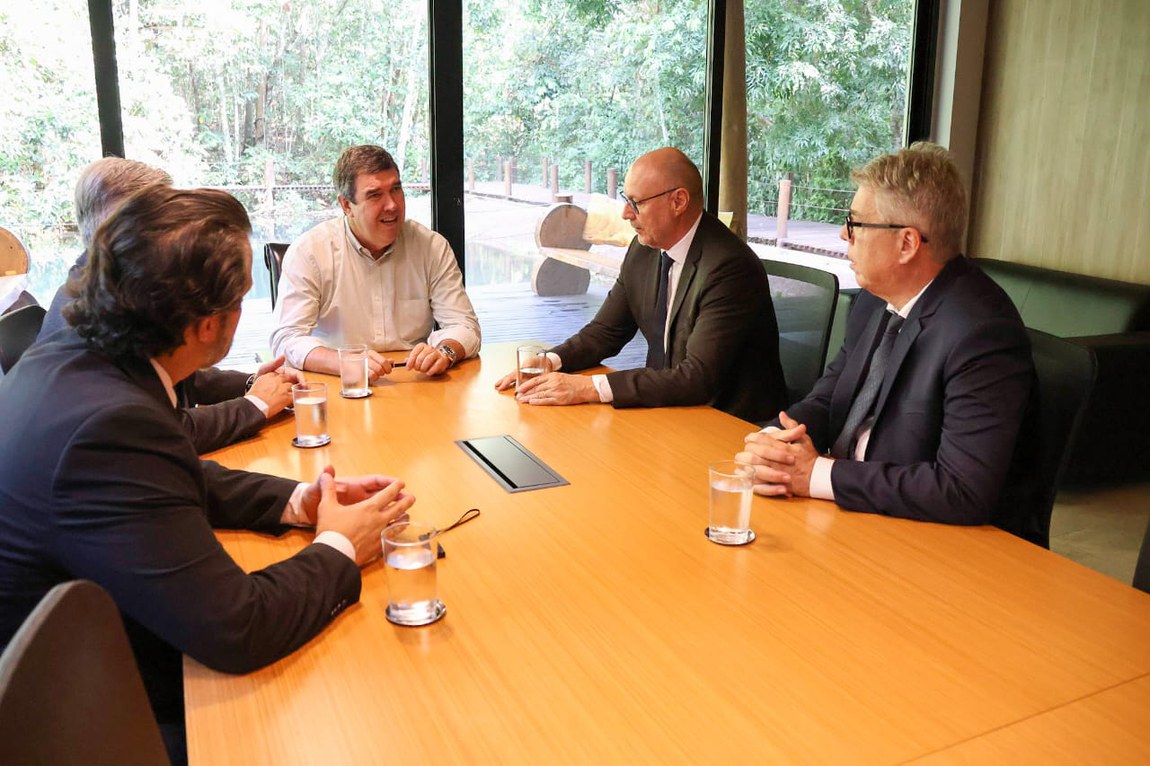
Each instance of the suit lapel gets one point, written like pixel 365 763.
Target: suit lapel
pixel 855 371
pixel 919 316
pixel 686 280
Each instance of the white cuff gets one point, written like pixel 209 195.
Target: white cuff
pixel 293 514
pixel 260 404
pixel 603 388
pixel 338 541
pixel 821 479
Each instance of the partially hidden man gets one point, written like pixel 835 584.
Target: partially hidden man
pixel 697 293
pixel 373 277
pixel 918 415
pixel 218 407
pixel 103 482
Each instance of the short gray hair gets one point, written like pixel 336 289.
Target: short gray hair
pixel 105 184
pixel 920 186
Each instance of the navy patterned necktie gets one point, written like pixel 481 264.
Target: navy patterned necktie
pixel 657 353
pixel 861 407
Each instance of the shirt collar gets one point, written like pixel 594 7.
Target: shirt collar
pixel 359 248
pixel 166 379
pixel 678 251
pixel 905 312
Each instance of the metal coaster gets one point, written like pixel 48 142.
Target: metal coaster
pixel 356 396
pixel 707 534
pixel 295 443
pixel 437 615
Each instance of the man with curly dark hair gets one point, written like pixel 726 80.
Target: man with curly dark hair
pixel 104 483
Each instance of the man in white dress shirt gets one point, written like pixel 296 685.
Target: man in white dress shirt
pixel 371 276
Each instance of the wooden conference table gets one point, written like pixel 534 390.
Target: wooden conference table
pixel 593 623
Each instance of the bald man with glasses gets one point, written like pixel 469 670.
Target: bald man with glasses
pixel 918 415
pixel 697 293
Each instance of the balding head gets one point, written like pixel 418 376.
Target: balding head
pixel 106 183
pixel 665 193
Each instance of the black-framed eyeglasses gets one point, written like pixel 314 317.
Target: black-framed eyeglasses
pixel 635 203
pixel 853 224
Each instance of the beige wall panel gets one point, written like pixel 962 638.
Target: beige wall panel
pixel 1062 169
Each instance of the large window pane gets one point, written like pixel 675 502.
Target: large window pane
pixel 559 84
pixel 260 98
pixel 48 130
pixel 826 91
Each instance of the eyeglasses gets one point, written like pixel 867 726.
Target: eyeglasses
pixel 853 224
pixel 635 203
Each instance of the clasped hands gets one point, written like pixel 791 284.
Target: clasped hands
pixel 359 508
pixel 782 459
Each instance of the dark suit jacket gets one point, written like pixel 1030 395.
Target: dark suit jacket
pixel 723 345
pixel 99 480
pixel 949 411
pixel 211 405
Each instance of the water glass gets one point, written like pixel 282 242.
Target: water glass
pixel 409 555
pixel 532 362
pixel 353 371
pixel 310 403
pixel 732 487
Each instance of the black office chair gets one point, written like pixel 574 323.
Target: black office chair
pixel 273 259
pixel 1142 570
pixel 70 691
pixel 1065 377
pixel 804 299
pixel 18 330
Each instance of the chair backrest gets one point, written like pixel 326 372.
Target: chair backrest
pixel 1065 378
pixel 18 330
pixel 1142 569
pixel 804 299
pixel 70 690
pixel 273 259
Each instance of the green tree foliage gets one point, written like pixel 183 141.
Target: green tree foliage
pixel 826 91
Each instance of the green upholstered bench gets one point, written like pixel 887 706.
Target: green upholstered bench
pixel 1112 318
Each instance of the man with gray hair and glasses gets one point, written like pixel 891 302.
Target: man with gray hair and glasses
pixel 217 407
pixel 918 415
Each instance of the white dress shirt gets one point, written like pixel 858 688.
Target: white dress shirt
pixel 332 292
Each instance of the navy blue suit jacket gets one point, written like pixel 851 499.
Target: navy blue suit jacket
pixel 723 344
pixel 211 403
pixel 99 481
pixel 949 412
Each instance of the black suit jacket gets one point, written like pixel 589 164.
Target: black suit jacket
pixel 723 345
pixel 211 405
pixel 948 414
pixel 99 480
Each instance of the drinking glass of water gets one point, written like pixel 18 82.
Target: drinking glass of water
pixel 532 362
pixel 310 403
pixel 732 487
pixel 353 371
pixel 409 555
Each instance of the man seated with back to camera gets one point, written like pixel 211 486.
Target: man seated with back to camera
pixel 371 276
pixel 697 293
pixel 105 484
pixel 918 415
pixel 218 407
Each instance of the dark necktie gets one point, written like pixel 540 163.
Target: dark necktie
pixel 860 410
pixel 657 354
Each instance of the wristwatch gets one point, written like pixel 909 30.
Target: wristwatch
pixel 448 352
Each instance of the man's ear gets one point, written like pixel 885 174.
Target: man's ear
pixel 909 244
pixel 344 203
pixel 206 329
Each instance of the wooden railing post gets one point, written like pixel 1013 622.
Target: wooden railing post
pixel 612 183
pixel 587 177
pixel 507 179
pixel 784 212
